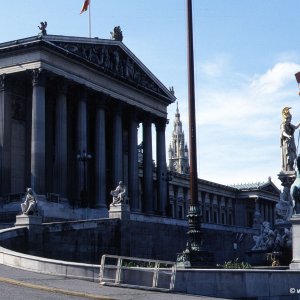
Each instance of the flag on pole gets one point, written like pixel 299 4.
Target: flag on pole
pixel 85 6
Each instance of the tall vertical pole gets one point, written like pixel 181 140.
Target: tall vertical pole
pixel 191 105
pixel 90 26
pixel 193 255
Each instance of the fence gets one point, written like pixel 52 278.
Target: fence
pixel 137 272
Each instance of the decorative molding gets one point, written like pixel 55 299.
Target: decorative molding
pixel 113 61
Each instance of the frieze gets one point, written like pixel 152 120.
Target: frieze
pixel 113 61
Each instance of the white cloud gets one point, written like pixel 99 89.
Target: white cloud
pixel 274 79
pixel 216 66
pixel 238 126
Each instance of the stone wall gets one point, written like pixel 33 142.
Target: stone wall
pixel 81 241
pixel 86 241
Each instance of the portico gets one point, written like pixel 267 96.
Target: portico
pixel 62 95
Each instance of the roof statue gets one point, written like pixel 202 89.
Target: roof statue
pixel 42 28
pixel 287 141
pixel 117 34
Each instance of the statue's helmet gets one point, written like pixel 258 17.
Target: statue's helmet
pixel 286 113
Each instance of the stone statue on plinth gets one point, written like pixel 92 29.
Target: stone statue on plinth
pixel 29 206
pixel 119 194
pixel 287 141
pixel 120 206
pixel 30 216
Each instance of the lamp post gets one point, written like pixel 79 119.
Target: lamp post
pixel 84 157
pixel 193 255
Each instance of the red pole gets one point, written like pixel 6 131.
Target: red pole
pixel 191 105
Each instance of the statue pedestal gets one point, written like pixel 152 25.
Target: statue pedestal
pixel 120 210
pixel 28 220
pixel 35 233
pixel 295 220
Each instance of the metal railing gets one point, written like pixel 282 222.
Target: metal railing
pixel 53 197
pixel 13 197
pixel 137 272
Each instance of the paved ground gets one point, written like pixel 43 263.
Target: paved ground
pixel 16 284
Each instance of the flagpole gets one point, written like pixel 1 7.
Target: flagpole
pixel 90 31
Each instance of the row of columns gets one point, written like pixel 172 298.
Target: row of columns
pixel 38 147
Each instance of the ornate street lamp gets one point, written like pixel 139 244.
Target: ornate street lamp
pixel 84 157
pixel 193 255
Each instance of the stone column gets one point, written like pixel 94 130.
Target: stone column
pixel 161 171
pixel 100 159
pixel 81 137
pixel 117 146
pixel 60 163
pixel 133 178
pixel 147 200
pixel 38 136
pixel 5 136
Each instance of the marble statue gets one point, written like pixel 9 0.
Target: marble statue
pixel 295 187
pixel 119 194
pixel 29 206
pixel 284 208
pixel 266 239
pixel 287 141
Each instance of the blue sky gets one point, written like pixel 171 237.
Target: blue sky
pixel 246 55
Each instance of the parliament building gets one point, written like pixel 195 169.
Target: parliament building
pixel 71 109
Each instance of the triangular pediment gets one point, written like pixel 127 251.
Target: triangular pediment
pixel 270 188
pixel 114 59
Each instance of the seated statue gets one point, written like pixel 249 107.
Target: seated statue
pixel 29 206
pixel 119 194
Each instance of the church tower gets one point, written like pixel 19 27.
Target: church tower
pixel 178 151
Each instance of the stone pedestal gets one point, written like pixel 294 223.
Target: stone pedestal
pixel 35 233
pixel 28 220
pixel 295 220
pixel 121 211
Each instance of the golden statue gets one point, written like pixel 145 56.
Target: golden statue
pixel 287 141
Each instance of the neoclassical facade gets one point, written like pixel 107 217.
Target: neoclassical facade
pixel 70 111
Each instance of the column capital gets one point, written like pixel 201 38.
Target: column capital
pixel 38 77
pixel 102 102
pixel 147 118
pixel 62 86
pixel 161 123
pixel 135 114
pixel 3 82
pixel 82 93
pixel 117 107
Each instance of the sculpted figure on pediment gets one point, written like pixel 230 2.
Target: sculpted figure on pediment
pixel 112 59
